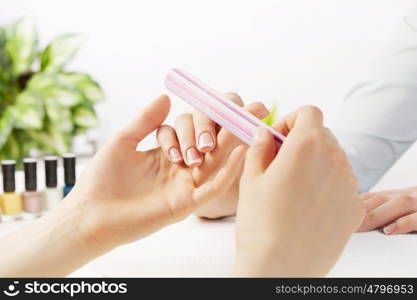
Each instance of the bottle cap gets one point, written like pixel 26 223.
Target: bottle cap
pixel 30 174
pixel 8 169
pixel 69 168
pixel 51 164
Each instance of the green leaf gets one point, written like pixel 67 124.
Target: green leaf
pixel 11 149
pixel 85 116
pixel 64 96
pixel 5 65
pixel 6 126
pixel 60 51
pixel 55 141
pixel 89 88
pixel 62 141
pixel 28 110
pixel 270 119
pixel 42 81
pixel 59 116
pixel 21 45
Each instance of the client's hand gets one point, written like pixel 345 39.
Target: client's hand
pixel 126 195
pixel 394 210
pixel 297 209
pixel 195 140
pixel 122 195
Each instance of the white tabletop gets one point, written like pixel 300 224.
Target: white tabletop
pixel 200 248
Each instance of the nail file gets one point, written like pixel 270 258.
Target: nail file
pixel 216 106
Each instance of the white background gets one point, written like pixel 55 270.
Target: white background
pixel 291 51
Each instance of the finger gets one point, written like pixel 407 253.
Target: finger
pixel 205 128
pixel 366 196
pixel 403 225
pixel 375 201
pixel 205 131
pixel 331 138
pixel 167 139
pixel 260 153
pixel 304 116
pixel 225 137
pixel 388 212
pixel 235 98
pixel 184 128
pixel 146 122
pixel 223 180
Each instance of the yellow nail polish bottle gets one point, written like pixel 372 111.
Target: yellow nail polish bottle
pixel 11 202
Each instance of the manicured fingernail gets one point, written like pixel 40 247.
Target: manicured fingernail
pixel 205 140
pixel 175 155
pixel 390 228
pixel 193 157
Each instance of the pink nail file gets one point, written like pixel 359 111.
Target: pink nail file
pixel 216 106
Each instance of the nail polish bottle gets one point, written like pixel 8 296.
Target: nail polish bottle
pixel 32 198
pixel 69 172
pixel 11 201
pixel 52 194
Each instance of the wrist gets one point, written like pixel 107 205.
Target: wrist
pixel 70 224
pixel 54 245
pixel 258 262
pixel 276 259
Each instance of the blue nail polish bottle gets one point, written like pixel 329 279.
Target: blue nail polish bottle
pixel 69 172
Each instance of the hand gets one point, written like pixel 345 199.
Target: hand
pixel 194 140
pixel 297 209
pixel 126 195
pixel 394 210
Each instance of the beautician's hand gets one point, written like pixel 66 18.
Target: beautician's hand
pixel 394 210
pixel 195 139
pixel 297 209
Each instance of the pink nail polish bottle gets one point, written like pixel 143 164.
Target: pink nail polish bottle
pixel 32 198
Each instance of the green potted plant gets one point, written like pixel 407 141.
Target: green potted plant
pixel 42 107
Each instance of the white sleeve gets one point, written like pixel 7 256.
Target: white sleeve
pixel 378 120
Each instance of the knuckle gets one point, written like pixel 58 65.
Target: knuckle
pixel 371 217
pixel 163 128
pixel 312 137
pixel 314 110
pixel 257 108
pixel 380 198
pixel 257 147
pixel 408 201
pixel 405 224
pixel 182 118
pixel 234 97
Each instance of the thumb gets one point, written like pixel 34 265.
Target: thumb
pixel 150 119
pixel 261 153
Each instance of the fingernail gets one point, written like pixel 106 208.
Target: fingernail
pixel 175 155
pixel 390 228
pixel 205 140
pixel 193 157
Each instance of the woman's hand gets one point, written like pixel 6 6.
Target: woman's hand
pixel 122 195
pixel 194 141
pixel 126 195
pixel 297 209
pixel 395 211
